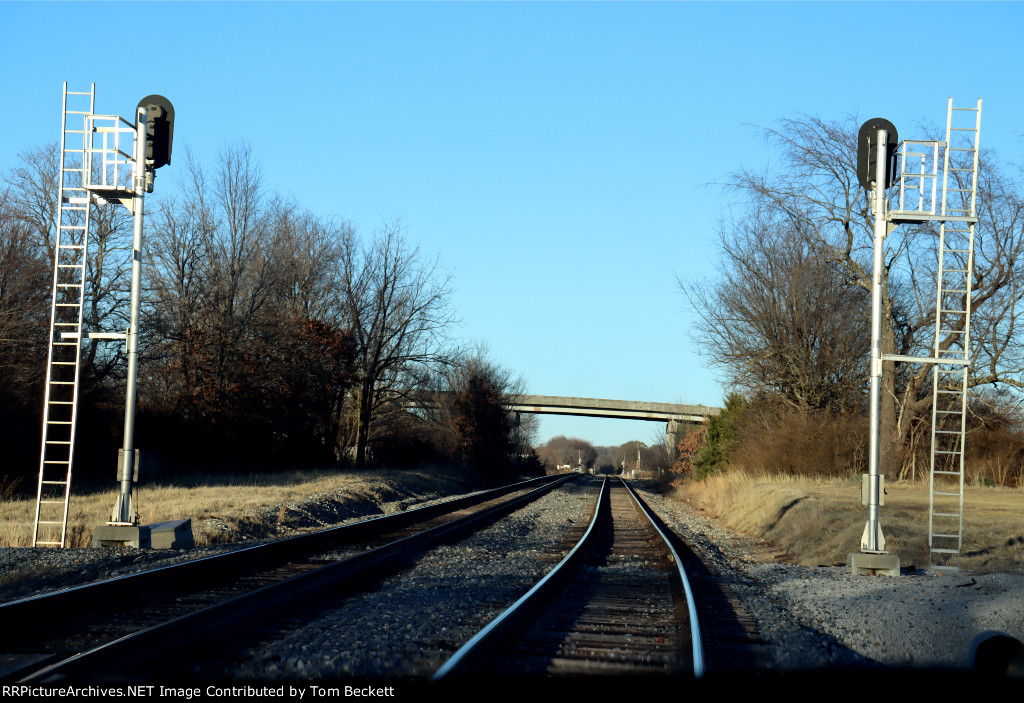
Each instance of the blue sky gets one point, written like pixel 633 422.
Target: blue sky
pixel 558 158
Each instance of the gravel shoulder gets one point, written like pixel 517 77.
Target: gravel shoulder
pixel 816 618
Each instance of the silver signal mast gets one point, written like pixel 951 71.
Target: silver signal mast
pixel 922 163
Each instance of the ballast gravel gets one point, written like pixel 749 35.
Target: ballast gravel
pixel 811 618
pixel 410 624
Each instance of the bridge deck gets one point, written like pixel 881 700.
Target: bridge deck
pixel 618 409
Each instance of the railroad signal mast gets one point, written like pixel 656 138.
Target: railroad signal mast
pixel 104 160
pixel 912 170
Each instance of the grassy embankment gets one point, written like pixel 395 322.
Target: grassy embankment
pixel 229 508
pixel 818 522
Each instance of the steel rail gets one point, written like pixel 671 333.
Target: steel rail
pixel 468 657
pixel 696 640
pixel 482 643
pixel 382 560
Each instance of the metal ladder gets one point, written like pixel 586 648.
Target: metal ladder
pixel 951 349
pixel 60 404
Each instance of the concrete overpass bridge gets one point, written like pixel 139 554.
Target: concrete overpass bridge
pixel 678 418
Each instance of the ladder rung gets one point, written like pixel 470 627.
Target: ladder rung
pixel 62 402
pixel 954 271
pixel 963 129
pixel 954 290
pixel 962 170
pixel 943 451
pixel 52 502
pixel 943 493
pixel 953 312
pixel 57 441
pixel 58 422
pixel 948 432
pixel 958 190
pixel 56 461
pixel 949 473
pixel 961 109
pixel 56 483
pixel 946 537
pixel 51 522
pixel 959 148
pixel 45 542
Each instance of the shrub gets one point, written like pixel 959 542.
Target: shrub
pixel 819 443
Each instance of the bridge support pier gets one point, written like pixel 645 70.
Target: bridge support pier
pixel 673 434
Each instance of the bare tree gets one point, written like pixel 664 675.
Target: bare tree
pixel 24 300
pixel 398 308
pixel 815 195
pixel 213 278
pixel 779 317
pixel 470 413
pixel 571 451
pixel 308 252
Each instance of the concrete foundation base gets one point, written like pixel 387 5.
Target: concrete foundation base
pixel 172 534
pixel 121 536
pixel 862 563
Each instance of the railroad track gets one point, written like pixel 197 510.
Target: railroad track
pixel 182 617
pixel 618 604
pixel 232 606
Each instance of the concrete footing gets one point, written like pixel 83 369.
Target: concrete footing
pixel 172 534
pixel 864 563
pixel 121 536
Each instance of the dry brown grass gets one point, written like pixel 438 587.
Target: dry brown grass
pixel 221 508
pixel 820 521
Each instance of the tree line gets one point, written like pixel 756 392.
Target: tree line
pixel 576 453
pixel 786 319
pixel 271 335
